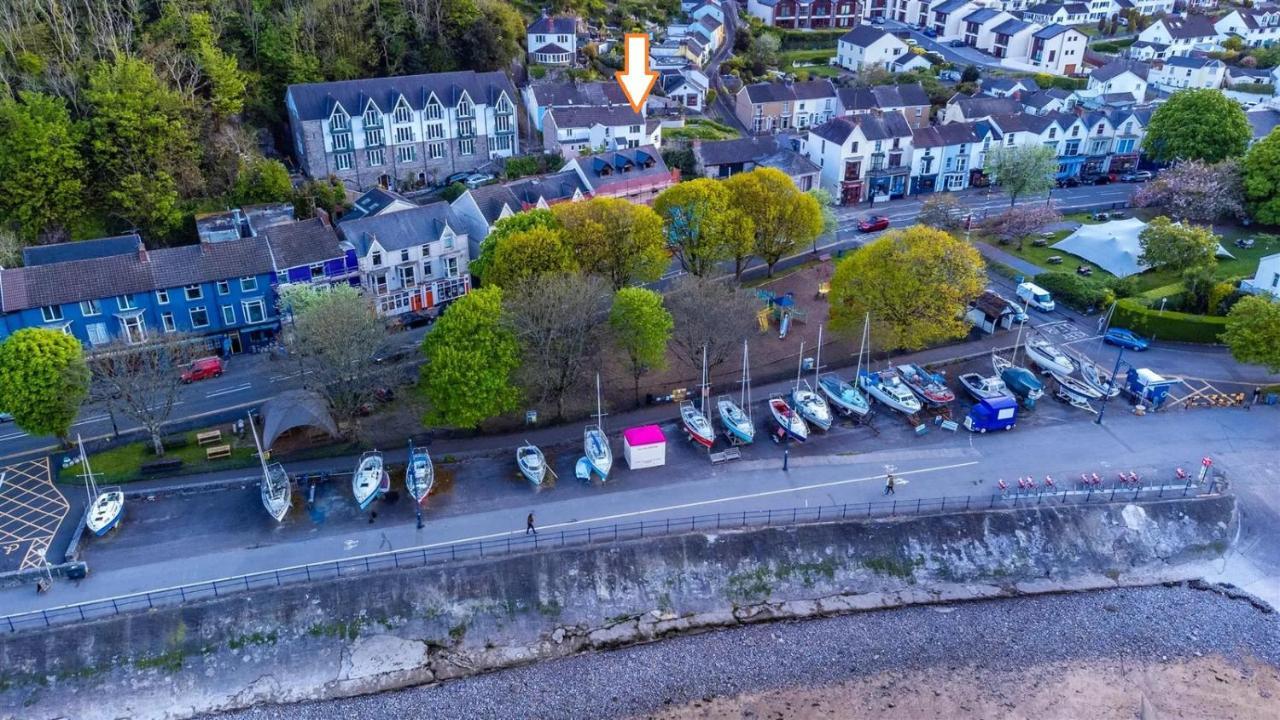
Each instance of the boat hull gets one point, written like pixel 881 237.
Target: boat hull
pixel 598 453
pixel 982 388
pixel 882 395
pixel 277 504
pixel 106 513
pixel 1051 362
pixel 812 408
pixel 368 480
pixel 741 430
pixel 697 426
pixel 532 464
pixel 836 398
pixel 792 424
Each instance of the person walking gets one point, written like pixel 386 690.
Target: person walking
pixel 1257 393
pixel 888 484
pixel 529 528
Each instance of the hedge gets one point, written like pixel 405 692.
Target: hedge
pixel 809 39
pixel 1169 325
pixel 1074 290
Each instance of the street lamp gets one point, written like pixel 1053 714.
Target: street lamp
pixel 1115 377
pixel 1163 300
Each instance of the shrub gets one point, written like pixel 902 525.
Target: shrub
pixel 1169 325
pixel 1076 291
pixel 808 39
pixel 453 192
pixel 537 72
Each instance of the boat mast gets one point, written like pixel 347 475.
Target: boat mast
pixel 744 395
pixel 599 411
pixel 1021 326
pixel 799 364
pixel 90 484
pixel 817 360
pixel 866 322
pixel 266 475
pixel 702 398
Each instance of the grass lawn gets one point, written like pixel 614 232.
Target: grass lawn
pixel 813 61
pixel 123 464
pixel 700 129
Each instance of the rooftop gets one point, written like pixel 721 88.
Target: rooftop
pixel 81 250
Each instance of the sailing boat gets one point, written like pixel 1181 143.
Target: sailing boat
pixel 736 415
pixel 885 386
pixel 106 507
pixel 693 419
pixel 1094 376
pixel 1018 379
pixel 595 443
pixel 419 474
pixel 1048 357
pixel 808 403
pixel 787 419
pixel 532 464
pixel 844 397
pixel 277 492
pixel 370 479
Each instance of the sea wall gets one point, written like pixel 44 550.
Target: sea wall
pixel 380 631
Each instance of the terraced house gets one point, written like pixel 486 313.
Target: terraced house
pixel 806 13
pixel 400 132
pixel 770 107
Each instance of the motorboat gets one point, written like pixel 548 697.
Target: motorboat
pixel 531 462
pixel 696 424
pixel 843 397
pixel 736 422
pixel 886 387
pixel 787 419
pixel 276 490
pixel 983 388
pixel 595 442
pixel 419 474
pixel 1019 380
pixel 811 406
pixel 369 480
pixel 1076 387
pixel 1048 357
pixel 930 387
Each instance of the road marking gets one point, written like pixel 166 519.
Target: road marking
pixel 228 391
pixel 13 436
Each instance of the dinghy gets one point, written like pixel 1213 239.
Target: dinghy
pixel 531 462
pixel 983 388
pixel 736 416
pixel 367 482
pixel 582 469
pixel 1048 357
pixel 419 474
pixel 276 491
pixel 106 508
pixel 886 387
pixel 930 387
pixel 842 396
pixel 696 425
pixel 596 444
pixel 787 419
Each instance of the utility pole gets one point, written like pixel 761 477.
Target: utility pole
pixel 1115 378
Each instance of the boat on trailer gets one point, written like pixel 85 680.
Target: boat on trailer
pixel 276 490
pixel 804 399
pixel 736 415
pixel 843 397
pixel 1097 379
pixel 370 479
pixel 1077 387
pixel 106 507
pixel 694 418
pixel 531 462
pixel 1021 381
pixel 419 474
pixel 1048 357
pixel 983 388
pixel 930 387
pixel 886 387
pixel 791 423
pixel 595 442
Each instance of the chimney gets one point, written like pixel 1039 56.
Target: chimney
pixel 142 253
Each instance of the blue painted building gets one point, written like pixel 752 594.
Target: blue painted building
pixel 309 251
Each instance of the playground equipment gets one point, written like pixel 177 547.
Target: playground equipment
pixel 780 309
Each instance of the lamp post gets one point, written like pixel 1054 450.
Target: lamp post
pixel 1163 300
pixel 1115 373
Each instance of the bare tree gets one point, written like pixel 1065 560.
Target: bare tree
pixel 335 337
pixel 1020 221
pixel 709 313
pixel 142 381
pixel 560 321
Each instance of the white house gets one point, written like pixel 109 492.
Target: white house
pixel 1180 35
pixel 1119 76
pixel 1060 13
pixel 553 40
pixel 947 17
pixel 1012 38
pixel 571 130
pixel 1182 71
pixel 861 157
pixel 706 8
pixel 1266 279
pixel 1057 50
pixel 1257 28
pixel 979 27
pixel 688 88
pixel 867 46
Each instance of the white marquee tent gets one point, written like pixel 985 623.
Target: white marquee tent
pixel 1112 246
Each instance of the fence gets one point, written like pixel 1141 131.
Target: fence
pixel 515 543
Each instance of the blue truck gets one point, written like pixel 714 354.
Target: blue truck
pixel 996 413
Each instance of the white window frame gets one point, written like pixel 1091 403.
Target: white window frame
pixel 97 333
pixel 343 161
pixel 51 313
pixel 247 307
pixel 167 322
pixel 198 289
pixel 407 153
pixel 90 308
pixel 467 146
pixel 248 283
pixel 224 287
pixel 162 297
pixel 191 315
pixel 125 302
pixel 228 320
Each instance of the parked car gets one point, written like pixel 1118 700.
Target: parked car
pixel 456 178
pixel 5 417
pixel 910 42
pixel 1137 176
pixel 478 179
pixel 929 32
pixel 1019 315
pixel 202 369
pixel 1096 179
pixel 1067 182
pixel 877 20
pixel 1035 296
pixel 873 223
pixel 956 43
pixel 1126 339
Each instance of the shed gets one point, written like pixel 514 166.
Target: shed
pixel 989 312
pixel 644 446
pixel 295 409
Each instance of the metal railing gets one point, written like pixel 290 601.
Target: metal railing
pixel 617 532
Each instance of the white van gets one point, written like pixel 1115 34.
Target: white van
pixel 1036 296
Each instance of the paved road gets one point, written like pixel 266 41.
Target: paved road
pixel 723 106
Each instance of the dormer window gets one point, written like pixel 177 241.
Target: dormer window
pixel 403 113
pixel 433 110
pixel 339 121
pixel 372 118
pixel 1053 133
pixel 504 105
pixel 465 108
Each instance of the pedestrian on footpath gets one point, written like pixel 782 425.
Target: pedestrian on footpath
pixel 888 484
pixel 529 528
pixel 1257 393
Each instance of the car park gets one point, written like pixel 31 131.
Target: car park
pixel 873 223
pixel 1126 339
pixel 456 178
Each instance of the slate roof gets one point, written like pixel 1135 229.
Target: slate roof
pixel 491 199
pixel 709 22
pixel 1043 9
pixel 82 250
pixel 1116 68
pixel 981 15
pixel 1012 26
pixel 372 202
pixel 1263 122
pixel 551 188
pixel 609 116
pixel 1195 63
pixel 864 36
pixel 874 127
pixel 404 229
pixel 781 91
pixel 1077 8
pixel 96 278
pixel 983 105
pixel 1010 84
pixel 740 150
pixel 949 6
pixel 554 25
pixel 1189 27
pixel 316 101
pixel 551 48
pixel 301 243
pixel 790 162
pixel 1052 31
pixel 883 96
pixel 835 130
pixel 1044 98
pixel 943 135
pixel 568 94
pixel 618 166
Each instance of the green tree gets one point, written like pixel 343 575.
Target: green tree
pixel 615 239
pixel 140 144
pixel 703 227
pixel 641 330
pixel 523 255
pixel 43 379
pixel 782 217
pixel 1022 169
pixel 826 205
pixel 971 74
pixel 1253 332
pixel 1197 124
pixel 1261 171
pixel 262 181
pixel 453 192
pixel 470 358
pixel 221 72
pixel 916 284
pixel 335 336
pixel 943 211
pixel 40 165
pixel 1166 244
pixel 506 227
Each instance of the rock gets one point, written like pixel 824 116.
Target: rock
pixel 557 637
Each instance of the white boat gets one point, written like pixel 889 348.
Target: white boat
pixel 595 442
pixel 1048 357
pixel 983 388
pixel 106 507
pixel 1076 387
pixel 886 387
pixel 1096 379
pixel 419 474
pixel 694 418
pixel 531 462
pixel 843 397
pixel 929 387
pixel 804 399
pixel 582 469
pixel 276 490
pixel 736 416
pixel 791 423
pixel 369 480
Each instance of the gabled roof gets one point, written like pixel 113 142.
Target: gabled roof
pixel 983 105
pixel 783 91
pixel 880 97
pixel 864 36
pixel 981 15
pixel 709 22
pixel 1077 8
pixel 1195 63
pixel 400 230
pixel 554 25
pixel 1053 31
pixel 873 127
pixel 81 250
pixel 740 150
pixel 551 188
pixel 550 93
pixel 835 130
pixel 1047 8
pixel 943 135
pixel 1009 85
pixel 585 117
pixel 1189 27
pixel 949 6
pixel 316 101
pixel 1116 68
pixel 1261 121
pixel 372 202
pixel 1044 98
pixel 619 166
pixel 305 242
pixel 491 199
pixel 1012 26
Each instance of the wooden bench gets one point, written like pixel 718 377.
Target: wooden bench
pixel 208 436
pixel 732 453
pixel 218 451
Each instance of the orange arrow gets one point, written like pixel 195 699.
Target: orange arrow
pixel 636 78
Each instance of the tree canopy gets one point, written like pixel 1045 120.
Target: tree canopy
pixel 915 283
pixel 520 256
pixel 1197 124
pixel 1022 169
pixel 1261 171
pixel 520 222
pixel 43 380
pixel 1253 332
pixel 1196 191
pixel 335 336
pixel 470 358
pixel 41 166
pixel 1166 244
pixel 641 329
pixel 782 217
pixel 614 239
pixel 703 227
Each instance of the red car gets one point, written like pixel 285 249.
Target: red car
pixel 872 223
pixel 208 367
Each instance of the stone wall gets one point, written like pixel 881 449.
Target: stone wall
pixel 374 632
